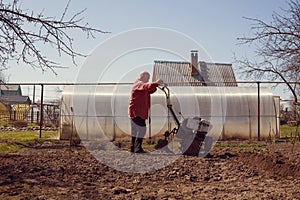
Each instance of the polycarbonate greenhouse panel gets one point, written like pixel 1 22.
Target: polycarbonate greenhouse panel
pixel 101 111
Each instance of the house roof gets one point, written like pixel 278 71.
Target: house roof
pixel 179 73
pixel 14 99
pixel 217 74
pixel 11 89
pixel 175 73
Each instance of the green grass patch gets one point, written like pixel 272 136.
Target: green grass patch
pixel 3 123
pixel 239 147
pixel 13 141
pixel 287 131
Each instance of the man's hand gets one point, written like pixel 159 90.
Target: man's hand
pixel 159 82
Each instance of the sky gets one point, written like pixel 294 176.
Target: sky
pixel 211 25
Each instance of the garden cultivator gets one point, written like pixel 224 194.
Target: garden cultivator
pixel 191 133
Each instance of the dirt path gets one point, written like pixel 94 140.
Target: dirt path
pixel 53 170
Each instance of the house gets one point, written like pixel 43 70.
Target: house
pixel 17 106
pixel 194 73
pixel 233 109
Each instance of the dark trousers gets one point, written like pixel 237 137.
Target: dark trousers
pixel 138 131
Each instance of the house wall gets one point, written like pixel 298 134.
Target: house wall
pixel 4 113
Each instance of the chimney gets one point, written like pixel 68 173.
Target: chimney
pixel 194 63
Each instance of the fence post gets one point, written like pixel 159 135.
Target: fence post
pixel 33 103
pixel 37 116
pixel 31 117
pixel 258 111
pixel 41 109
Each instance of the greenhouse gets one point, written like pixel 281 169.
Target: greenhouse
pixel 100 111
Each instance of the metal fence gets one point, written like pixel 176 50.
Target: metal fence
pixel 45 100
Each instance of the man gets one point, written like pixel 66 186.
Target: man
pixel 138 109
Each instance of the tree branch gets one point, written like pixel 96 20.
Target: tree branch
pixel 47 31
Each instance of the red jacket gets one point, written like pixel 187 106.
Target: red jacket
pixel 140 99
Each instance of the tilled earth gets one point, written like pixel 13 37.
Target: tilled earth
pixel 54 170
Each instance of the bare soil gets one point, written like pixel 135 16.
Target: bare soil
pixel 54 170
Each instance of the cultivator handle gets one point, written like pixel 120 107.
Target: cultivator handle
pixel 166 90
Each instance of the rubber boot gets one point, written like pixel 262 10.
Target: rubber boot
pixel 132 147
pixel 139 146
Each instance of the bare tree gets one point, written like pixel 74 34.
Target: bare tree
pixel 23 32
pixel 277 48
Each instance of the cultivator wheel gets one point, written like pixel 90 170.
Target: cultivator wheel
pixel 161 143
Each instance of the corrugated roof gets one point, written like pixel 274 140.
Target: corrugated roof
pixel 217 74
pixel 175 73
pixel 178 73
